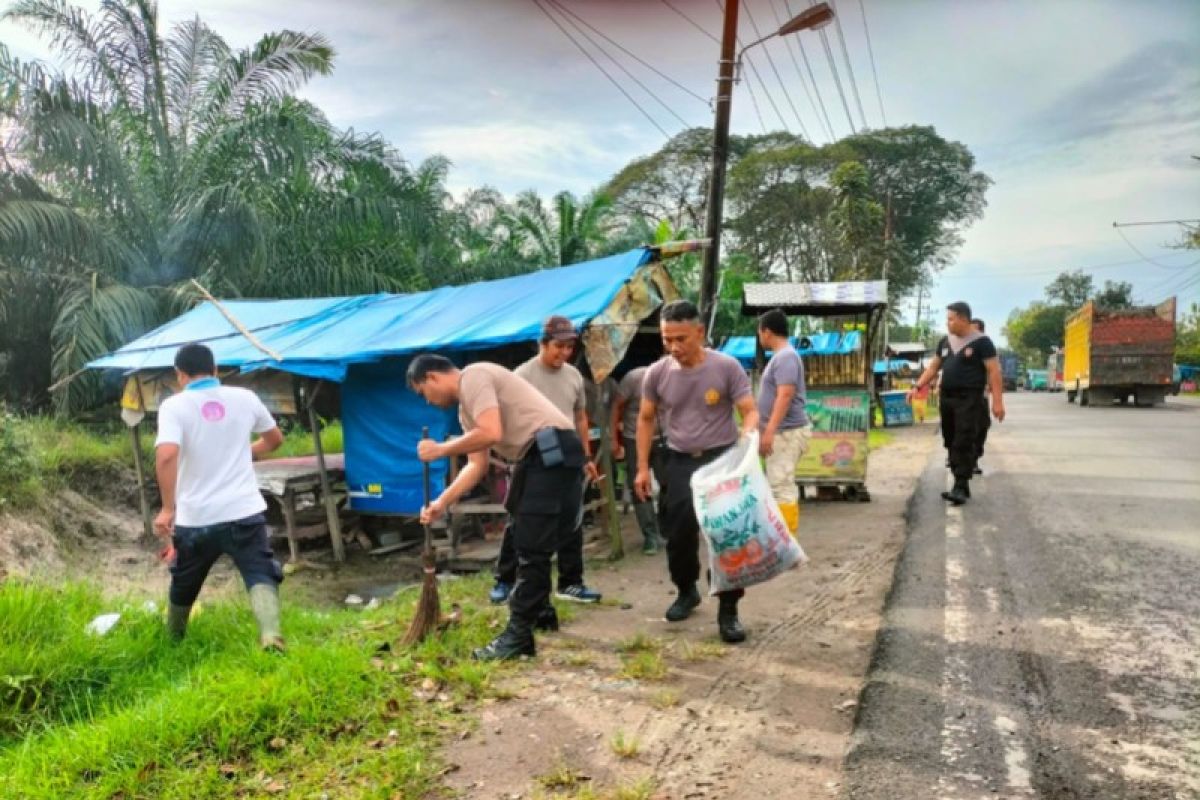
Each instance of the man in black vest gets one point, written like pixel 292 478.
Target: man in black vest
pixel 968 362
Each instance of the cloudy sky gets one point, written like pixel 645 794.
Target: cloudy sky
pixel 1083 112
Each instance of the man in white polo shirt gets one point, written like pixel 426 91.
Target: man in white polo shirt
pixel 211 505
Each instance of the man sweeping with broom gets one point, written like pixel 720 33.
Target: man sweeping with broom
pixel 502 412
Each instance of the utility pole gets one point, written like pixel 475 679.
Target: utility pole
pixel 887 256
pixel 716 178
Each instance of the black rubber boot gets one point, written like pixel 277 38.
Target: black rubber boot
pixel 514 642
pixel 177 620
pixel 728 624
pixel 547 620
pixel 684 604
pixel 959 494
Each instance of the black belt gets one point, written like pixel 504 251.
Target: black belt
pixel 699 455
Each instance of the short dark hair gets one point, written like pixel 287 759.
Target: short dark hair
pixel 979 322
pixel 420 367
pixel 195 359
pixel 774 321
pixel 680 311
pixel 960 308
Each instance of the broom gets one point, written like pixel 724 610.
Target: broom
pixel 429 606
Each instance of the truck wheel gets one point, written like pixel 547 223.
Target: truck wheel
pixel 1070 395
pixel 1085 398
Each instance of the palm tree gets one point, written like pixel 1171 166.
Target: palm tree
pixel 574 231
pixel 155 158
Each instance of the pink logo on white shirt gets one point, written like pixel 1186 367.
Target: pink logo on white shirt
pixel 212 411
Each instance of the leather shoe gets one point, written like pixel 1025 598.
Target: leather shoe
pixel 959 494
pixel 514 642
pixel 684 604
pixel 547 620
pixel 728 624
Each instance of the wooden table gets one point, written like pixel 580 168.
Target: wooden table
pixel 285 478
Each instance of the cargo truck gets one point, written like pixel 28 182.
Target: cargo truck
pixel 1120 354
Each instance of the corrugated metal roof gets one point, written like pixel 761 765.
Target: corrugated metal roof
pixel 814 298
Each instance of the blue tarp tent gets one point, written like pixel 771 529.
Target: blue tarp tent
pixel 814 344
pixel 365 343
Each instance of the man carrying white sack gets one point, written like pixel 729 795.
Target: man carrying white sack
pixel 699 389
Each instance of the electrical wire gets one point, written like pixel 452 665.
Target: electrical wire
pixel 786 94
pixel 791 50
pixel 1142 255
pixel 563 7
pixel 600 67
pixel 837 23
pixel 761 82
pixel 837 80
pixel 558 6
pixel 871 52
pixel 816 88
pixel 695 24
pixel 1059 270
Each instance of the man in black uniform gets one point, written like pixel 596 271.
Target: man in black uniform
pixel 985 419
pixel 968 363
pixel 503 412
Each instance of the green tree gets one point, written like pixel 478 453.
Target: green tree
pixel 571 231
pixel 1115 294
pixel 1070 289
pixel 1187 337
pixel 155 157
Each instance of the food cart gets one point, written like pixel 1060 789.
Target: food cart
pixel 839 378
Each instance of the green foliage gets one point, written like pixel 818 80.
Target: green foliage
pixel 1187 337
pixel 131 713
pixel 299 442
pixel 1037 329
pixel 1070 289
pixel 1115 294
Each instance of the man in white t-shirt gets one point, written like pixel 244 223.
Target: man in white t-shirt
pixel 211 505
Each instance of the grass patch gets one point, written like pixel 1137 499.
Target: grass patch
pixel 699 651
pixel 664 699
pixel 640 642
pixel 299 442
pixel 346 712
pixel 561 776
pixel 638 790
pixel 644 666
pixel 625 747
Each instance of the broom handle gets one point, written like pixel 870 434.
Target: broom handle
pixel 426 490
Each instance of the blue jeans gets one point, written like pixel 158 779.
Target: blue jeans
pixel 197 548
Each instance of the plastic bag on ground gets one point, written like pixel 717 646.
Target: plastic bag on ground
pixel 748 540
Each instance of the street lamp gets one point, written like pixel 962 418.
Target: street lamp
pixel 817 16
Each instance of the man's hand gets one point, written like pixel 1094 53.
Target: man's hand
pixel 998 408
pixel 164 524
pixel 618 450
pixel 641 484
pixel 434 511
pixel 591 471
pixel 908 396
pixel 766 443
pixel 429 450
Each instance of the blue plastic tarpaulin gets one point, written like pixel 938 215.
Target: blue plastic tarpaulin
pixel 814 344
pixel 322 337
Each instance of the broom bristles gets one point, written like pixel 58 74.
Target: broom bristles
pixel 428 613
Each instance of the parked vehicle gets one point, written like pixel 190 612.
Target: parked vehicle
pixel 1120 354
pixel 1010 368
pixel 1054 368
pixel 1037 380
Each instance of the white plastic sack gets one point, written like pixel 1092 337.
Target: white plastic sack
pixel 748 540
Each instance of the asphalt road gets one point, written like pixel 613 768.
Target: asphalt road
pixel 1043 641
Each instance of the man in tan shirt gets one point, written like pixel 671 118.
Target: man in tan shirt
pixel 502 412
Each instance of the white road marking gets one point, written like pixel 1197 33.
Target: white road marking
pixel 962 717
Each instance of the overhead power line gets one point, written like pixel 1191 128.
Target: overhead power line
pixel 762 84
pixel 600 67
pixel 837 23
pixel 871 52
pixel 1067 268
pixel 837 80
pixel 790 46
pixel 1140 254
pixel 559 7
pixel 563 7
pixel 786 94
pixel 695 24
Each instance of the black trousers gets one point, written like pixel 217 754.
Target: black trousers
pixel 246 541
pixel 677 517
pixel 570 556
pixel 985 424
pixel 961 411
pixel 544 506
